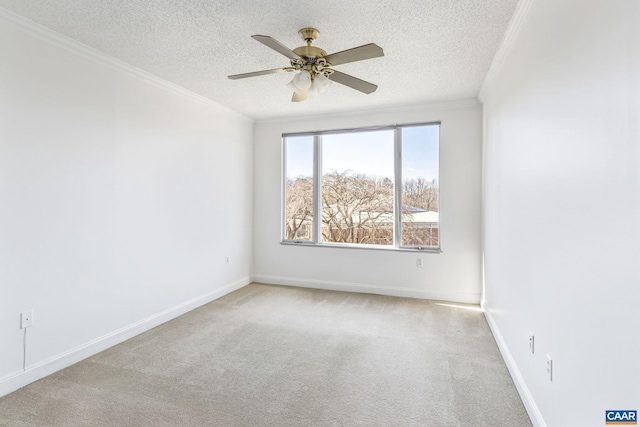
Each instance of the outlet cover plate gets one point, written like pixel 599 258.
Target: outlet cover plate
pixel 26 319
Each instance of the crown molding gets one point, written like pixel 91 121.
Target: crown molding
pixel 443 105
pixel 518 19
pixel 43 33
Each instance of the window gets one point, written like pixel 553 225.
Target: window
pixel 364 187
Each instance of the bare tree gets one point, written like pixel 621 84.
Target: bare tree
pixel 357 208
pixel 419 234
pixel 421 193
pixel 299 208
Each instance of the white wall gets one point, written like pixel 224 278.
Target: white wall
pixel 562 208
pixel 120 197
pixel 455 274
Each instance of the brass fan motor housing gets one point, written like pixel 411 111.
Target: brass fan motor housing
pixel 310 52
pixel 309 35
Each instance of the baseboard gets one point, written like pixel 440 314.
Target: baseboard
pixel 521 386
pixel 47 367
pixel 368 289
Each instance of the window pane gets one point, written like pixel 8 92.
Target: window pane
pixel 420 196
pixel 299 188
pixel 357 188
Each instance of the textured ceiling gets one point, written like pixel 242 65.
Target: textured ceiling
pixel 435 50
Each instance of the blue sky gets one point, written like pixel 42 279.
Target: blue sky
pixel 370 153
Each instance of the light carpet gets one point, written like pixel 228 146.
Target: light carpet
pixel 283 356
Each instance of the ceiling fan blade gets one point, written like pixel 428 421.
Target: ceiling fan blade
pixel 298 98
pixel 360 53
pixel 257 73
pixel 276 45
pixel 353 82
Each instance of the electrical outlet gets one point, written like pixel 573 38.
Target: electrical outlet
pixel 419 262
pixel 26 319
pixel 532 342
pixel 226 260
pixel 549 368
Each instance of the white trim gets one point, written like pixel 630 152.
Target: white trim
pixel 508 40
pixel 445 105
pixel 36 30
pixel 521 386
pixel 47 367
pixel 396 291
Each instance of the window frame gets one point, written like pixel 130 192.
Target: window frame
pixel 316 240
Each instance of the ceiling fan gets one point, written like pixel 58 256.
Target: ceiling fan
pixel 315 66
